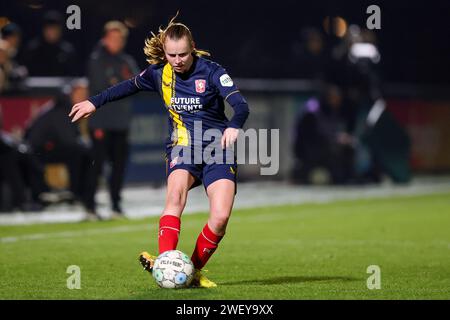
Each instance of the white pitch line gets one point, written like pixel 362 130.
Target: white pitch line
pixel 124 229
pixel 141 202
pixel 265 217
pixel 78 233
pixel 299 243
pixel 279 194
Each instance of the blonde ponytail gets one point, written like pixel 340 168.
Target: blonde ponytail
pixel 154 46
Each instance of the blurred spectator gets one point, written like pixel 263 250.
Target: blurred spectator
pixel 309 57
pixel 384 146
pixel 322 140
pixel 49 54
pixel 54 139
pixel 109 65
pixel 355 62
pixel 12 34
pixel 5 66
pixel 13 73
pixel 20 174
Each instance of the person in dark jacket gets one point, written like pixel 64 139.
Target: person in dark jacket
pixel 20 174
pixel 53 139
pixel 109 65
pixel 49 55
pixel 323 139
pixel 11 37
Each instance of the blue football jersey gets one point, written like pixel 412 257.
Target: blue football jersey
pixel 197 95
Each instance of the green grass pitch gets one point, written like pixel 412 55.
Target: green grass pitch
pixel 311 251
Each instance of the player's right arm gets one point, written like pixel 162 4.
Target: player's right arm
pixel 143 81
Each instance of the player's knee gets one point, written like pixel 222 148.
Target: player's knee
pixel 176 198
pixel 218 223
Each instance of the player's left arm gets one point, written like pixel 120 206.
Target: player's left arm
pixel 233 96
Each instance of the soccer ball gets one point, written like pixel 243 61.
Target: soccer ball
pixel 173 269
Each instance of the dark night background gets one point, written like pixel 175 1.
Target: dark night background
pixel 253 38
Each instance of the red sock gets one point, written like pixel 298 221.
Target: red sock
pixel 169 230
pixel 207 242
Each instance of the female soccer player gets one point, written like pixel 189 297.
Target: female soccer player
pixel 193 90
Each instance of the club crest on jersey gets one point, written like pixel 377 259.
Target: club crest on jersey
pixel 200 85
